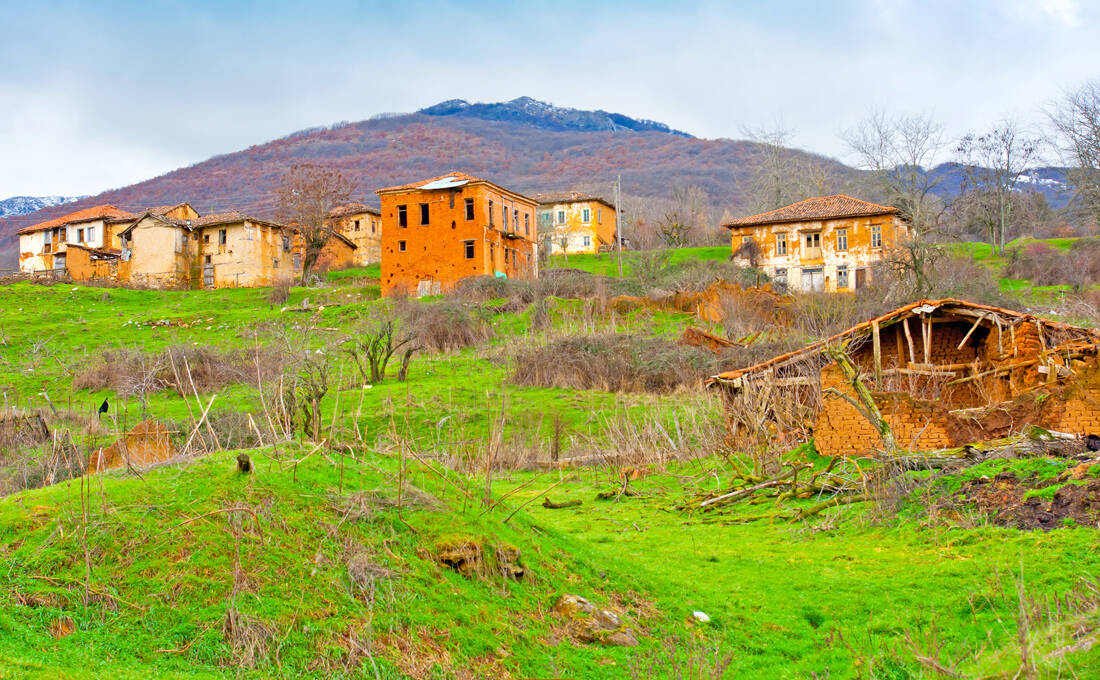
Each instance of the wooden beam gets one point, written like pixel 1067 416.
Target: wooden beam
pixel 977 322
pixel 926 336
pixel 996 371
pixel 877 342
pixel 909 339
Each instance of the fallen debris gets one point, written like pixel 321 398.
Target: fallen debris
pixel 591 624
pixel 473 559
pixel 149 442
pixel 547 503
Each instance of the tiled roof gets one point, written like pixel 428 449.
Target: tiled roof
pixel 353 209
pixel 819 208
pixel 550 198
pixel 219 218
pixel 921 306
pixel 457 176
pixel 97 213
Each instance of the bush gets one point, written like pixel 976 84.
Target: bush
pixel 448 325
pixel 280 292
pixel 614 362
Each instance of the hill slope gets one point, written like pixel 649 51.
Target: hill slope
pixel 524 144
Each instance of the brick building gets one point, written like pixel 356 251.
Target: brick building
pixel 942 373
pixel 439 231
pixel 572 222
pixel 828 243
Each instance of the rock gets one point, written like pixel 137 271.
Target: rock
pixel 701 617
pixel 589 623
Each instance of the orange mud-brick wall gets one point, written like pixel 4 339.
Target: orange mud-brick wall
pixel 457 227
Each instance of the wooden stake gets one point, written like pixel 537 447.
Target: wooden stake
pixel 877 342
pixel 977 322
pixel 926 336
pixel 909 339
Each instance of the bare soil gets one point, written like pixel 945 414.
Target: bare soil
pixel 1002 500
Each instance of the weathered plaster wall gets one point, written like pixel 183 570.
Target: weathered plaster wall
pixel 599 229
pixel 366 235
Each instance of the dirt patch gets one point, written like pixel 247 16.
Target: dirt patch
pixel 1004 499
pixel 149 442
pixel 474 559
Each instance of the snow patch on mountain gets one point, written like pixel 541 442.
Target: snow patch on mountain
pixel 23 205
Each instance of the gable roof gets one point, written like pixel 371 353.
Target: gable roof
pixel 98 212
pixel 1090 336
pixel 818 208
pixel 353 209
pixel 551 198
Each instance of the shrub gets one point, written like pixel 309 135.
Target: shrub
pixel 280 292
pixel 614 362
pixel 448 325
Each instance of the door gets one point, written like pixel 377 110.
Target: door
pixel 208 275
pixel 861 278
pixel 813 280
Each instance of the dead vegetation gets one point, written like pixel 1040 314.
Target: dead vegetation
pixel 184 369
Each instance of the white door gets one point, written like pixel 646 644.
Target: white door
pixel 813 280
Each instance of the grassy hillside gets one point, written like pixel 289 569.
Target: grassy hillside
pixel 339 559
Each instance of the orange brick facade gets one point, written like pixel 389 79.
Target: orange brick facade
pixel 432 238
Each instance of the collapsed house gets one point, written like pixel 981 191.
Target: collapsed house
pixel 939 373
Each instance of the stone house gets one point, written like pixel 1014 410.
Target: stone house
pixel 942 373
pixel 439 231
pixel 828 243
pixel 572 222
pixel 45 246
pixel 362 225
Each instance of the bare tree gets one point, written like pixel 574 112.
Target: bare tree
pixel 305 195
pixel 782 175
pixel 897 152
pixel 686 217
pixel 1076 122
pixel 993 163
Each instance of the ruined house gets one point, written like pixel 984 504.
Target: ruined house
pixel 828 243
pixel 942 373
pixel 171 247
pixel 362 225
pixel 572 222
pixel 437 232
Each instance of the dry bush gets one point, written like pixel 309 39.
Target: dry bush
pixel 1047 266
pixel 448 325
pixel 485 288
pixel 248 638
pixel 280 292
pixel 613 362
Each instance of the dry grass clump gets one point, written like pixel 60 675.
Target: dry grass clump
pixel 448 325
pixel 248 638
pixel 280 292
pixel 184 368
pixel 613 362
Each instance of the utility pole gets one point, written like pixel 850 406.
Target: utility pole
pixel 619 219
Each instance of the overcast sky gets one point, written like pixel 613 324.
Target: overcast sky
pixel 96 95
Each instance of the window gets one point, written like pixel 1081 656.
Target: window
pixel 286 242
pixel 275 262
pixel 780 245
pixel 452 200
pixel 223 237
pixel 373 226
pixel 423 213
pixel 355 224
pixel 842 277
pixel 80 236
pixel 781 275
pixel 599 215
pixel 469 246
pixel 206 259
pixel 841 242
pixel 587 241
pixel 876 235
pixel 586 216
pixel 402 216
pixel 47 243
pixel 490 213
pixel 206 238
pixel 813 240
pixel 297 261
pixel 91 234
pixel 401 246
pixel 469 208
pixel 561 217
pixel 504 217
pixel 515 219
pixel 526 224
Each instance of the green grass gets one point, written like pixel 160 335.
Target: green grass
pixel 607 264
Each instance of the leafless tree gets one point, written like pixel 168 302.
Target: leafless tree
pixel 897 152
pixel 994 162
pixel 305 195
pixel 1076 123
pixel 783 176
pixel 686 217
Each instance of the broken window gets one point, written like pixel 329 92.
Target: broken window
pixel 876 235
pixel 452 200
pixel 402 216
pixel 526 224
pixel 206 238
pixel 586 216
pixel 469 208
pixel 504 217
pixel 275 262
pixel 561 217
pixel 297 261
pixel 423 213
pixel 469 245
pixel 223 237
pixel 206 260
pixel 47 244
pixel 515 219
pixel 781 244
pixel 841 241
pixel 355 225
pixel 401 246
pixel 490 213
pixel 286 244
pixel 372 226
pixel 813 240
pixel 781 275
pixel 842 277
